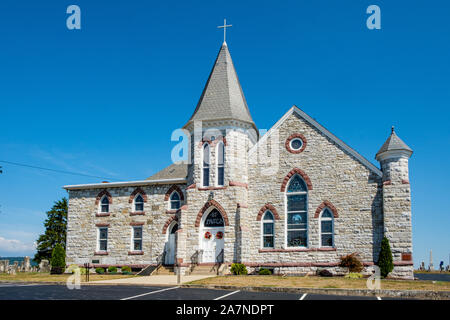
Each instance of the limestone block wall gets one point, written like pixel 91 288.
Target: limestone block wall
pixel 83 221
pixel 336 177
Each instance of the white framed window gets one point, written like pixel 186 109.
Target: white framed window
pixel 206 167
pixel 137 238
pixel 326 228
pixel 297 213
pixel 138 203
pixel 102 235
pixel 268 230
pixel 104 204
pixel 220 155
pixel 296 144
pixel 175 201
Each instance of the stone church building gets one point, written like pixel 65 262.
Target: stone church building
pixel 293 200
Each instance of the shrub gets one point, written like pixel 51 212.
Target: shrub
pixel 264 272
pixel 353 275
pixel 112 269
pixel 324 273
pixel 58 260
pixel 385 262
pixel 100 270
pixel 238 269
pixel 126 269
pixel 352 262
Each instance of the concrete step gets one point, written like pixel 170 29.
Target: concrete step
pixel 204 270
pixel 165 270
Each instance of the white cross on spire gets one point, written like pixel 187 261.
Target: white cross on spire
pixel 225 25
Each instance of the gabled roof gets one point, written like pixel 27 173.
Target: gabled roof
pixel 393 143
pixel 222 97
pixel 325 132
pixel 171 172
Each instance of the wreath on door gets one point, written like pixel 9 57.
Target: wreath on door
pixel 219 235
pixel 207 235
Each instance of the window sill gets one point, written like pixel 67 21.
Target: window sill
pixel 211 188
pixel 137 213
pixel 103 214
pixel 135 253
pixel 295 250
pixel 101 253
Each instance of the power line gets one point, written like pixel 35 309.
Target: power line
pixel 56 170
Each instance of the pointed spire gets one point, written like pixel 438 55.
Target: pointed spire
pixel 393 144
pixel 222 97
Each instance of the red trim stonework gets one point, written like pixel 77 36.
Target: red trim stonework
pixel 168 222
pixel 135 253
pixel 266 207
pixel 101 194
pixel 192 186
pixel 287 144
pixel 104 214
pixel 134 194
pixel 172 189
pixel 326 204
pixel 137 223
pixel 293 172
pixel 100 253
pixel 238 184
pixel 137 213
pixel 102 224
pixel 211 188
pixel 216 205
pixel 212 144
pixel 406 256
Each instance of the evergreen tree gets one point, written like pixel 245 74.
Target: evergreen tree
pixel 385 261
pixel 55 231
pixel 58 261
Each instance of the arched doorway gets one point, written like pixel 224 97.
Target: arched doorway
pixel 212 236
pixel 170 247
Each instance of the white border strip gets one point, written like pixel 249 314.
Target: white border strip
pixel 151 292
pixel 228 294
pixel 124 184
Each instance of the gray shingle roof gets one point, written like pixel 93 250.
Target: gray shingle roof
pixel 171 172
pixel 222 97
pixel 393 143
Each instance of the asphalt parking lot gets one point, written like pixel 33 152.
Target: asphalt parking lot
pixel 13 291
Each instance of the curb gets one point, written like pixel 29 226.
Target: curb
pixel 408 294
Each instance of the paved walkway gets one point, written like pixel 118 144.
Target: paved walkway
pixel 158 280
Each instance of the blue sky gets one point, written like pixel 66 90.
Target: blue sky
pixel 105 99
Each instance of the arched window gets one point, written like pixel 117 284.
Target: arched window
pixel 220 163
pixel 214 219
pixel 175 201
pixel 104 204
pixel 297 213
pixel 268 230
pixel 206 165
pixel 138 203
pixel 326 228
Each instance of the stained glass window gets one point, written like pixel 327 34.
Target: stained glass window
pixel 220 163
pixel 139 203
pixel 297 213
pixel 103 239
pixel 326 228
pixel 206 165
pixel 175 201
pixel 268 230
pixel 137 238
pixel 105 204
pixel 297 184
pixel 296 144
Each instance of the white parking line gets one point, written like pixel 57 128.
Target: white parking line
pixel 303 296
pixel 378 298
pixel 228 294
pixel 151 292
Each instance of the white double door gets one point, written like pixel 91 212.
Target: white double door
pixel 213 246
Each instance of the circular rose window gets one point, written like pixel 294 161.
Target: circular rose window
pixel 296 144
